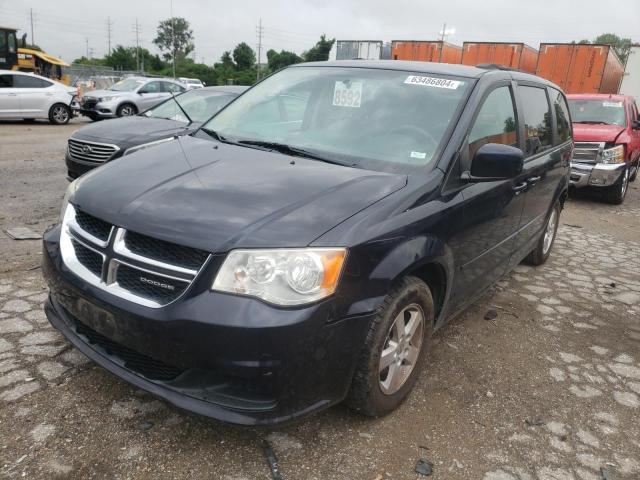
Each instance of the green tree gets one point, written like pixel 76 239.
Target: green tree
pixel 320 51
pixel 276 60
pixel 174 37
pixel 244 56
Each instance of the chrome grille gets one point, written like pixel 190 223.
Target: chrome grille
pixel 141 269
pixel 91 152
pixel 587 152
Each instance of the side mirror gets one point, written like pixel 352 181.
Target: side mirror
pixel 495 161
pixel 635 124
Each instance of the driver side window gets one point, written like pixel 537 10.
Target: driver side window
pixel 496 121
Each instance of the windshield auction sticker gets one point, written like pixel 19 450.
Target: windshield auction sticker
pixel 612 104
pixel 432 82
pixel 347 94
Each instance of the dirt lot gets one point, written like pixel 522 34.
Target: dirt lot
pixel 548 390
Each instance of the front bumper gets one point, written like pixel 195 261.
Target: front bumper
pixel 75 168
pixel 100 109
pixel 231 358
pixel 595 174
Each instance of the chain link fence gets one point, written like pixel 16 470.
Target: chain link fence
pixel 92 77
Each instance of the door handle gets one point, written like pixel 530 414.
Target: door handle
pixel 13 94
pixel 521 187
pixel 533 180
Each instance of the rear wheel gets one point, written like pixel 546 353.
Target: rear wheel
pixel 59 114
pixel 541 253
pixel 126 110
pixel 616 193
pixel 394 351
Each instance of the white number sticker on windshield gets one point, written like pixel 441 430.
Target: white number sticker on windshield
pixel 432 82
pixel 347 94
pixel 612 104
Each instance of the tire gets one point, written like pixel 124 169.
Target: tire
pixel 541 253
pixel 634 175
pixel 407 301
pixel 126 110
pixel 59 114
pixel 615 194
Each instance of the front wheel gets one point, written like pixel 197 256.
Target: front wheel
pixel 126 110
pixel 59 114
pixel 616 193
pixel 394 350
pixel 541 253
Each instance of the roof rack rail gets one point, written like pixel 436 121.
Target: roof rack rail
pixel 495 66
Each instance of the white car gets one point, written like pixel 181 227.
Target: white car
pixel 28 96
pixel 191 83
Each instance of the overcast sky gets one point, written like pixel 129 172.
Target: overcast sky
pixel 62 27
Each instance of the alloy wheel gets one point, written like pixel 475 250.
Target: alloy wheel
pixel 550 232
pixel 401 349
pixel 60 114
pixel 126 111
pixel 625 183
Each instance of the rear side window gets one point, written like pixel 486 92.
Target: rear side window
pixel 6 81
pixel 24 81
pixel 172 87
pixel 562 116
pixel 537 120
pixel 495 122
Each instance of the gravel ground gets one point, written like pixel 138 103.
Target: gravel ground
pixel 548 390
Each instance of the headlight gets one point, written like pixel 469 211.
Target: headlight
pixel 283 276
pixel 613 155
pixel 146 145
pixel 105 99
pixel 71 189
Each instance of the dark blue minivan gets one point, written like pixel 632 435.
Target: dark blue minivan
pixel 302 246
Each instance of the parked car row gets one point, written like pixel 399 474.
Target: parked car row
pixel 29 97
pixel 301 246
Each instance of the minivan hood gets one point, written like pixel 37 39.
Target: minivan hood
pixel 584 132
pixel 217 197
pixel 134 130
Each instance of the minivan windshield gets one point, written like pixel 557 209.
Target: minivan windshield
pixel 199 105
pixel 602 112
pixel 126 85
pixel 377 119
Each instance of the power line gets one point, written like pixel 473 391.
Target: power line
pixel 109 26
pixel 137 29
pixel 259 31
pixel 31 16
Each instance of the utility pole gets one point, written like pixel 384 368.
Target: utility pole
pixel 33 41
pixel 109 26
pixel 259 31
pixel 173 40
pixel 442 34
pixel 86 42
pixel 136 30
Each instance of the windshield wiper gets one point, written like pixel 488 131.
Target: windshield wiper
pixel 289 150
pixel 173 95
pixel 592 122
pixel 214 134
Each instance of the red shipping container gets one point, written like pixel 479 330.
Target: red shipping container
pixel 513 55
pixel 426 51
pixel 581 68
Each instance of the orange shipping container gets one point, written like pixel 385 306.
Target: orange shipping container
pixel 514 55
pixel 581 68
pixel 426 51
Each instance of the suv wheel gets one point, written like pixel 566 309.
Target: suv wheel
pixel 395 349
pixel 126 110
pixel 541 253
pixel 616 193
pixel 59 114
